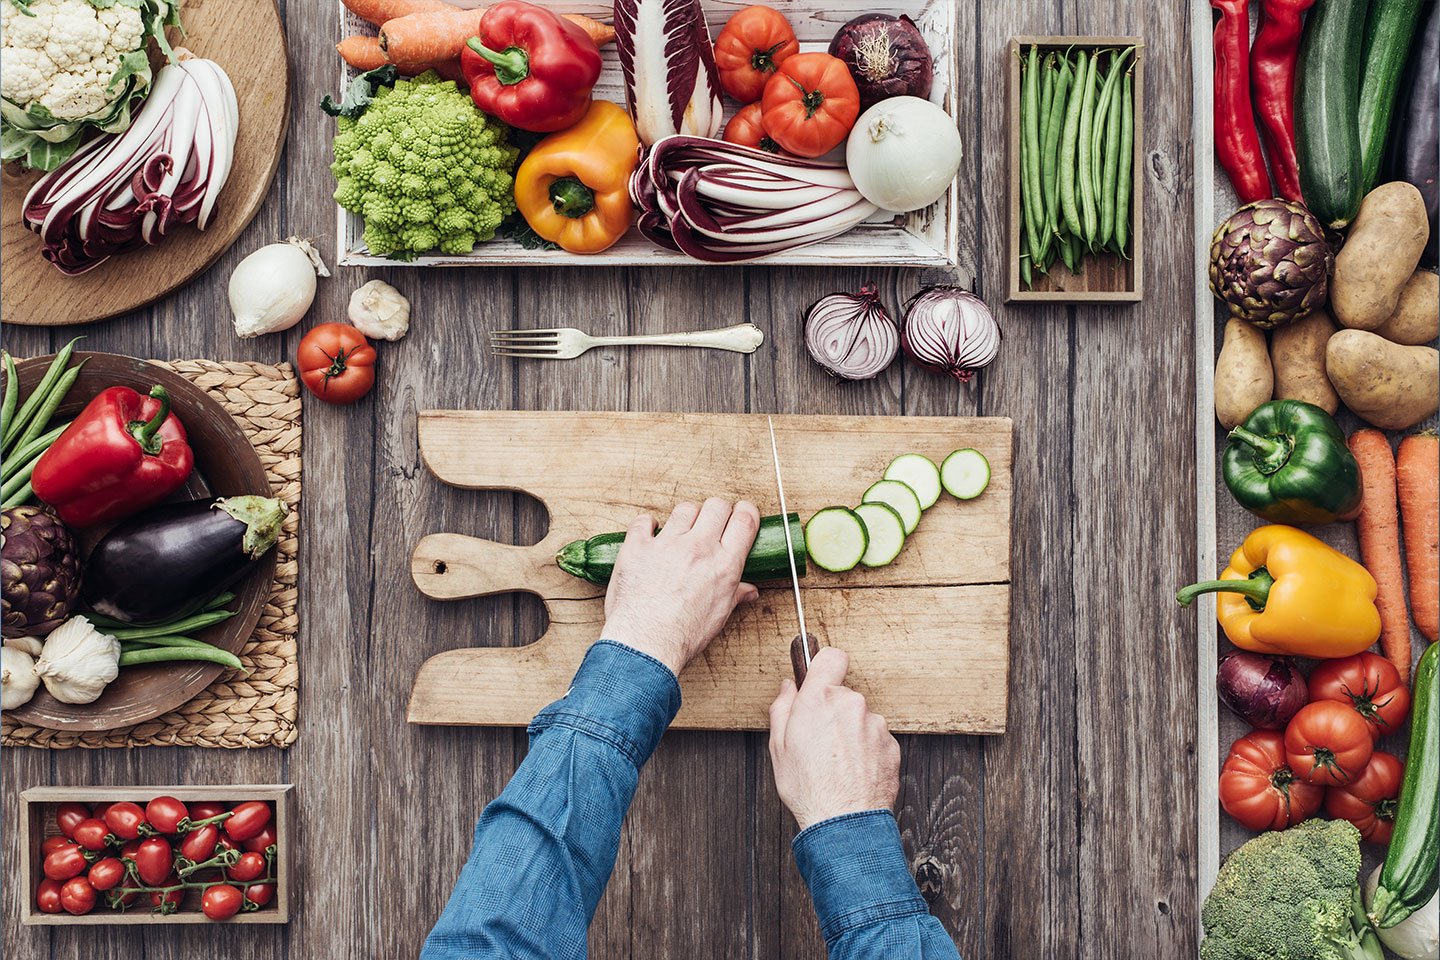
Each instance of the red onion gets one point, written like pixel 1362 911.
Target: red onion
pixel 949 330
pixel 886 55
pixel 1263 691
pixel 851 335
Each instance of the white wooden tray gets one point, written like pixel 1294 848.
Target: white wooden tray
pixel 925 238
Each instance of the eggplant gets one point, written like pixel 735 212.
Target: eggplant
pixel 167 562
pixel 1415 132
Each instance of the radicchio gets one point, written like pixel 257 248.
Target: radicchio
pixel 671 84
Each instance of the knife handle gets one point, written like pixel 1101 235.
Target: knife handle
pixel 797 656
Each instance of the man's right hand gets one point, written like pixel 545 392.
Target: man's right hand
pixel 831 754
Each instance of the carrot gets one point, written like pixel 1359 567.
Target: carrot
pixel 378 11
pixel 1417 473
pixel 601 33
pixel 428 37
pixel 364 53
pixel 1378 527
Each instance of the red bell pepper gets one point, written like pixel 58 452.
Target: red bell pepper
pixel 123 453
pixel 1273 56
pixel 1237 142
pixel 530 68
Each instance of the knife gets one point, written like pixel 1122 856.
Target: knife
pixel 804 646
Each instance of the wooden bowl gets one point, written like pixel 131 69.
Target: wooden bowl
pixel 225 465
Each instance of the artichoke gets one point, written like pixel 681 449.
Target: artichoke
pixel 1270 263
pixel 41 571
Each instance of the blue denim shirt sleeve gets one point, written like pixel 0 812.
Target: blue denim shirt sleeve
pixel 544 849
pixel 865 897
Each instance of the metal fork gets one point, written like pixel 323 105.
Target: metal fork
pixel 567 343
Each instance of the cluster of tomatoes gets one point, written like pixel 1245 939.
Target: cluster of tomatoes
pixel 160 852
pixel 1325 755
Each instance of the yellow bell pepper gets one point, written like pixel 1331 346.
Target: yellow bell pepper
pixel 574 187
pixel 1286 593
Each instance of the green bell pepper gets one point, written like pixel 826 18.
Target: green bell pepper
pixel 1288 463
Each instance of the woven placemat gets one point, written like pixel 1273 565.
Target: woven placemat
pixel 257 710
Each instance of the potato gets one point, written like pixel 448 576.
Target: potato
pixel 1417 317
pixel 1297 352
pixel 1379 255
pixel 1243 377
pixel 1386 384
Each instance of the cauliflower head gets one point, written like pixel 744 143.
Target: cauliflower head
pixel 425 169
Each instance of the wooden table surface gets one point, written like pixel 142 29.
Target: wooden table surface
pixel 1073 835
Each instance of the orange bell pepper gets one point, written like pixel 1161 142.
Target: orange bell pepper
pixel 574 187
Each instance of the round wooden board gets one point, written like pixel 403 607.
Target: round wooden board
pixel 225 465
pixel 247 39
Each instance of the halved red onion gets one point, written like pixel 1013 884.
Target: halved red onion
pixel 851 335
pixel 949 330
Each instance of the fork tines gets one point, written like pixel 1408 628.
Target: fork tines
pixel 527 344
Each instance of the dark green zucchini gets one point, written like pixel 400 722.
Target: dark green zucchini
pixel 594 559
pixel 1388 33
pixel 1327 136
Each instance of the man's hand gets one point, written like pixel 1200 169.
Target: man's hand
pixel 672 591
pixel 830 753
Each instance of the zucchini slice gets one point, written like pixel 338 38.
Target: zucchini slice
pixel 965 473
pixel 886 532
pixel 836 539
pixel 898 497
pixel 920 474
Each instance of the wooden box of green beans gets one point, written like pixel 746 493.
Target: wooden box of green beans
pixel 1074 160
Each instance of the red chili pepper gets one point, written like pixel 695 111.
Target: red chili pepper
pixel 531 68
pixel 123 453
pixel 1272 75
pixel 1237 143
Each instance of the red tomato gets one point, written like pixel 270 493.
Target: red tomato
pixel 199 845
pixel 337 363
pixel 221 902
pixel 154 861
pixel 1370 684
pixel 65 863
pixel 47 896
pixel 99 811
pixel 810 104
pixel 746 129
pixel 1371 800
pixel 128 851
pixel 91 834
pixel 165 814
pixel 247 820
pixel 262 840
pixel 1258 788
pixel 171 899
pixel 52 844
pixel 260 893
pixel 205 809
pixel 107 873
pixel 125 819
pixel 250 866
pixel 77 896
pixel 1328 743
pixel 754 42
pixel 69 815
pixel 225 843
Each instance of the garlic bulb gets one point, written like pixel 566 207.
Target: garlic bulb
pixel 30 645
pixel 273 287
pixel 18 680
pixel 380 311
pixel 78 661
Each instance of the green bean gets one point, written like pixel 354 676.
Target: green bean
pixel 1103 103
pixel 21 497
pixel 52 403
pixel 12 392
pixel 1086 157
pixel 197 622
pixel 21 455
pixel 1067 253
pixel 1047 92
pixel 1077 252
pixel 213 606
pixel 1030 152
pixel 37 398
pixel 20 479
pixel 1069 144
pixel 1049 158
pixel 219 600
pixel 1122 176
pixel 1111 159
pixel 135 658
pixel 165 641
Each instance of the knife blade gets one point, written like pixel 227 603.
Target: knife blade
pixel 803 647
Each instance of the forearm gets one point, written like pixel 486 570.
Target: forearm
pixel 544 849
pixel 866 900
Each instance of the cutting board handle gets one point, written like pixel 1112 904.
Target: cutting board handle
pixel 452 566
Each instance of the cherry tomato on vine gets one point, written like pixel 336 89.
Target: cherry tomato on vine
pixel 69 815
pixel 172 897
pixel 123 899
pixel 52 844
pixel 99 811
pixel 225 843
pixel 107 873
pixel 153 861
pixel 250 866
pixel 47 896
pixel 205 809
pixel 165 814
pixel 1328 743
pixel 260 893
pixel 1372 799
pixel 1369 684
pixel 65 863
pixel 337 363
pixel 91 834
pixel 77 896
pixel 261 841
pixel 130 849
pixel 247 820
pixel 124 819
pixel 221 902
pixel 199 845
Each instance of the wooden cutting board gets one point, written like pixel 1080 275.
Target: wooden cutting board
pixel 927 635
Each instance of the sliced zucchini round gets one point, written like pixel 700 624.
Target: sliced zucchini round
pixel 920 474
pixel 886 532
pixel 965 473
pixel 900 498
pixel 836 539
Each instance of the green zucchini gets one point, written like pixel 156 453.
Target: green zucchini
pixel 1388 34
pixel 920 474
pixel 965 474
pixel 900 498
pixel 1327 136
pixel 884 533
pixel 1408 877
pixel 594 559
pixel 836 539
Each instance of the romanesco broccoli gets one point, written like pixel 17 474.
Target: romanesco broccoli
pixel 1290 895
pixel 425 169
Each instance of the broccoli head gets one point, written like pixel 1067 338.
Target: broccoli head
pixel 1290 895
pixel 425 168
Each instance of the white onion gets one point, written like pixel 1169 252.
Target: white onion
pixel 950 330
pixel 903 153
pixel 851 335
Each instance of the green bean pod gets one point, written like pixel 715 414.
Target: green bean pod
pixel 20 497
pixel 1085 161
pixel 37 398
pixel 1030 152
pixel 12 392
pixel 198 621
pixel 1069 145
pixel 1111 155
pixel 1049 157
pixel 23 455
pixel 1123 174
pixel 135 658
